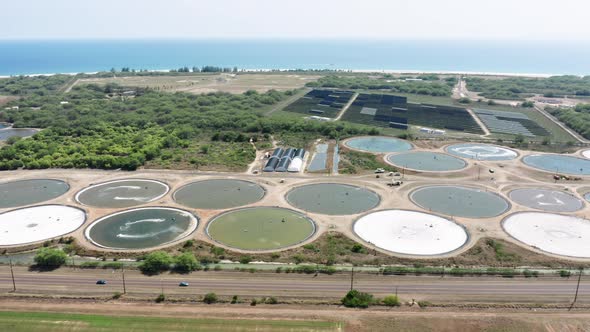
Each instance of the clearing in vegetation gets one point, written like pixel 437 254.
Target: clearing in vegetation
pixel 397 112
pixel 324 103
pixel 207 83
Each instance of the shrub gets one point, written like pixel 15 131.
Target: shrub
pixel 424 304
pixel 210 298
pixel 356 299
pixel 465 100
pixel 234 299
pixel 156 262
pixel 565 273
pixel 113 265
pixel 217 268
pixel 271 300
pixel 217 251
pixel 391 301
pixel 358 248
pixel 48 258
pixel 527 104
pixel 160 298
pixel 279 269
pixel 117 295
pixel 245 259
pixel 185 263
pixel 89 265
pixel 253 302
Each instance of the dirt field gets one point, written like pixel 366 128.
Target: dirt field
pixel 6 99
pixel 406 319
pixel 206 83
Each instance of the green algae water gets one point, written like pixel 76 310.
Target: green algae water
pixel 261 228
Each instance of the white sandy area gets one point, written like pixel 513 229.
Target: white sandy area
pixel 586 154
pixel 39 223
pixel 554 233
pixel 410 232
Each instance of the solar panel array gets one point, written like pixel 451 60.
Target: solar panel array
pixel 397 112
pixel 325 103
pixel 510 123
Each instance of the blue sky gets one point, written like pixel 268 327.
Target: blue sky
pixel 380 19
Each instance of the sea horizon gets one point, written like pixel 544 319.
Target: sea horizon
pixel 491 57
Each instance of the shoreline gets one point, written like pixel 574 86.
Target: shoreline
pixel 360 71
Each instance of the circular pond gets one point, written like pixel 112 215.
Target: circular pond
pixel 378 144
pixel 260 228
pixel 410 232
pixel 558 163
pixel 554 233
pixel 122 193
pixel 460 201
pixel 26 192
pixel 546 200
pixel 332 198
pixel 481 151
pixel 39 223
pixel 219 194
pixel 141 228
pixel 426 161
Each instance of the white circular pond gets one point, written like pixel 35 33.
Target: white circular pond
pixel 410 232
pixel 39 223
pixel 554 233
pixel 479 151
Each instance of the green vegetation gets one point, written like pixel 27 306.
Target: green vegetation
pixel 210 298
pixel 33 85
pixel 577 118
pixel 186 262
pixel 156 262
pixel 521 87
pixel 50 258
pixel 391 301
pixel 354 162
pixel 54 322
pixel 356 299
pixel 430 85
pixel 100 127
pixel 501 254
pixel 160 298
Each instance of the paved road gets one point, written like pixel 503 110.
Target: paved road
pixel 82 282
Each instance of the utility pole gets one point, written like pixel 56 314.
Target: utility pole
pixel 123 274
pixel 577 288
pixel 12 274
pixel 351 277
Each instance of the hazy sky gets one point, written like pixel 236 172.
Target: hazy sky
pixel 393 19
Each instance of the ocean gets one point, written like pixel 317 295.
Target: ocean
pixel 74 56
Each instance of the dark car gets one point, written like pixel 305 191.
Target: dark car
pixel 101 282
pixel 183 284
